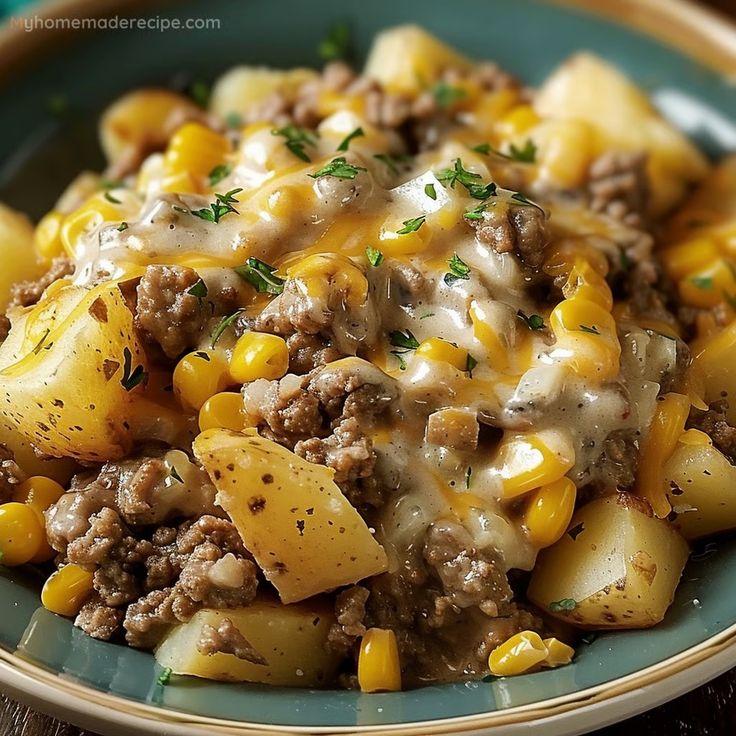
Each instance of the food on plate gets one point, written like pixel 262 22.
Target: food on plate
pixel 374 379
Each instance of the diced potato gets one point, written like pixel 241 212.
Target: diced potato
pixel 141 120
pixel 292 517
pixel 587 88
pixel 61 470
pixel 290 638
pixel 702 490
pixel 245 86
pixel 407 59
pixel 17 252
pixel 62 371
pixel 617 566
pixel 714 367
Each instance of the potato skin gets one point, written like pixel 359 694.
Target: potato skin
pixel 290 638
pixel 292 517
pixel 702 490
pixel 61 374
pixel 617 562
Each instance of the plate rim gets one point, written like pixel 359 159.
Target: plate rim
pixel 695 31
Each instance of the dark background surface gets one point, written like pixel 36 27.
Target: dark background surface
pixel 708 711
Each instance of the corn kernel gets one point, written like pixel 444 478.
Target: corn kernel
pixel 549 512
pixel 198 376
pixel 96 210
pixel 566 153
pixel 47 236
pixel 493 341
pixel 195 150
pixel 259 355
pixel 393 243
pixel 379 669
pixel 21 534
pixel 561 257
pixel 518 654
pixel 440 350
pixel 584 282
pixel 518 120
pixel 666 428
pixel 66 590
pixel 223 411
pixel 706 288
pixel 523 462
pixel 39 492
pixel 692 255
pixel 320 275
pixel 558 653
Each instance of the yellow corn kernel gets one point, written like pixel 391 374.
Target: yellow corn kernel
pixel 566 150
pixel 195 150
pixel 436 349
pixel 394 243
pixel 39 492
pixel 518 654
pixel 549 512
pixel 198 376
pixel 558 653
pixel 706 288
pixel 666 428
pixel 47 236
pixel 584 282
pixel 379 669
pixel 96 210
pixel 320 275
pixel 329 102
pixel 694 437
pixel 563 255
pixel 259 355
pixel 491 340
pixel 66 591
pixel 21 534
pixel 491 106
pixel 692 255
pixel 181 183
pixel 523 462
pixel 518 120
pixel 223 411
pixel 287 199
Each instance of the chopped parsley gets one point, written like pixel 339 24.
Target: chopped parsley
pixel 40 344
pixel 336 44
pixel 223 205
pixel 427 314
pixel 200 92
pixel 624 261
pixel 459 270
pixel 470 364
pixel 233 120
pixel 469 179
pixel 592 329
pixel 174 473
pixel 339 168
pixel 527 154
pixel 345 145
pixel 295 140
pixel 165 677
pixel 730 299
pixel 122 226
pixel 446 95
pixel 203 356
pixel 430 191
pixel 112 199
pixel 223 325
pixel 412 225
pixel 521 199
pixel 218 174
pixel 199 290
pixel 476 213
pixel 375 257
pixel 533 321
pixel 261 276
pixel 405 340
pixel 566 604
pixel 702 282
pixel 393 159
pixel 132 377
pixel 399 355
pixel 468 477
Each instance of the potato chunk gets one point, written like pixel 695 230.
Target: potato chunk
pixel 17 252
pixel 293 518
pixel 586 88
pixel 290 638
pixel 702 490
pixel 63 373
pixel 617 566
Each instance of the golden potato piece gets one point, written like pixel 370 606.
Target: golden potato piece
pixel 617 566
pixel 292 517
pixel 291 639
pixel 17 252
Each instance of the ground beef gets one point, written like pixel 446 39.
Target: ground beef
pixel 115 585
pixel 10 474
pixel 166 312
pixel 4 328
pixel 307 352
pixel 646 293
pixel 350 616
pixel 105 532
pixel 515 229
pixel 227 639
pixel 617 465
pixel 98 620
pixel 619 187
pixel 147 620
pixel 714 422
pixel 27 293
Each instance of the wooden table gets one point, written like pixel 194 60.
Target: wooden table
pixel 708 711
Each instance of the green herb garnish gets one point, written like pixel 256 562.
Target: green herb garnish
pixel 393 159
pixel 375 257
pixel 533 321
pixel 339 168
pixel 200 92
pixel 261 276
pixel 471 364
pixel 112 199
pixel 592 329
pixel 447 95
pixel 476 213
pixel 527 154
pixel 223 324
pixel 174 473
pixel 702 282
pixel 122 226
pixel 521 199
pixel 405 340
pixel 218 174
pixel 223 205
pixel 165 677
pixel 430 191
pixel 199 290
pixel 233 120
pixel 459 270
pixel 412 225
pixel 345 145
pixel 296 139
pixel 132 377
pixel 468 477
pixel 566 604
pixel 399 355
pixel 469 179
pixel 336 44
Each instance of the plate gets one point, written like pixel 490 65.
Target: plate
pixel 55 85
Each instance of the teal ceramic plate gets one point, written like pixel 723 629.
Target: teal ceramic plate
pixel 47 133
